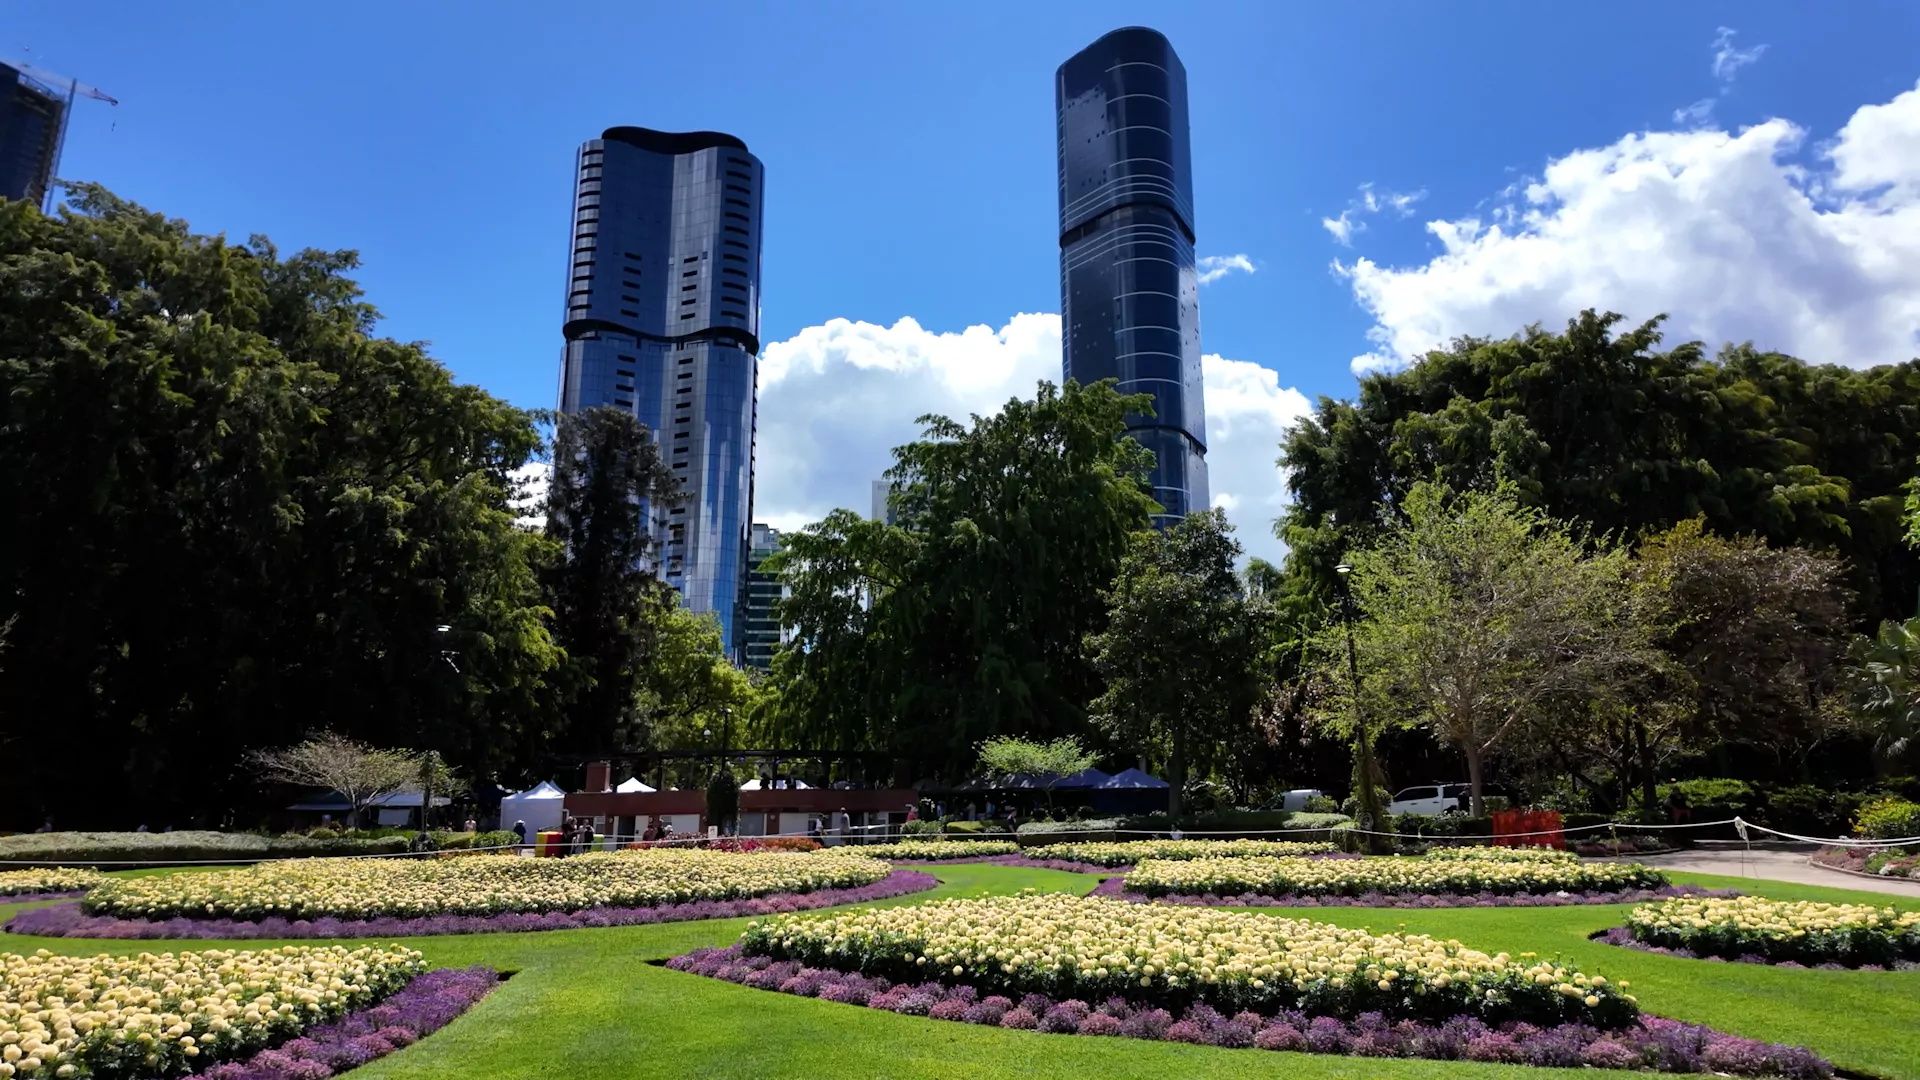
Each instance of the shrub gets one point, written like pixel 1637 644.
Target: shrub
pixel 88 849
pixel 921 827
pixel 1888 818
pixel 1321 804
pixel 1049 828
pixel 761 843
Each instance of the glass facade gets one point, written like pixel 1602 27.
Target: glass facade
pixel 29 136
pixel 663 320
pixel 764 633
pixel 1129 291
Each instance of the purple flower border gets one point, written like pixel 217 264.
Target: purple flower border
pixel 1622 936
pixel 68 921
pixel 1115 887
pixel 1654 1042
pixel 37 897
pixel 425 1005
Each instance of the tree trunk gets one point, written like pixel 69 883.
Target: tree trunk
pixel 1643 751
pixel 1476 776
pixel 1176 774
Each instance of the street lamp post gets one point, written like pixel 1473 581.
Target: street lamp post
pixel 1370 814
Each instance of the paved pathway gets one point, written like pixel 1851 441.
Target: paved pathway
pixel 1776 865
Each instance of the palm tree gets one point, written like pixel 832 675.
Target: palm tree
pixel 1885 685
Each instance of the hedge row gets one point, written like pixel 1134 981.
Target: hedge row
pixel 84 849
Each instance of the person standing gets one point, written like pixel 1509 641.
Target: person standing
pixel 520 830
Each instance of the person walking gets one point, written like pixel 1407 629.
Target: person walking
pixel 520 830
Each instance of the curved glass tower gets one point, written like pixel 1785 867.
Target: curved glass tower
pixel 1129 293
pixel 663 319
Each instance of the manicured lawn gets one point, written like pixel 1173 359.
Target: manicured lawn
pixel 585 1003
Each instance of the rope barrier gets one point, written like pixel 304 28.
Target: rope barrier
pixel 866 834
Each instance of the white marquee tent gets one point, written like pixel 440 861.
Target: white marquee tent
pixel 539 806
pixel 631 786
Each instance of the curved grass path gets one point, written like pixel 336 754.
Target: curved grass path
pixel 584 1003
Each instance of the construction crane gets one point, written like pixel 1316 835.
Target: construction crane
pixel 75 88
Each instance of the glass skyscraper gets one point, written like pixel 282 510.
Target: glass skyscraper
pixel 30 119
pixel 764 590
pixel 1129 291
pixel 663 319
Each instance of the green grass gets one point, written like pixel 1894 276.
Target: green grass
pixel 585 1003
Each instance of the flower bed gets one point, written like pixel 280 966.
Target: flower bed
pixel 1096 948
pixel 424 1006
pixel 122 1016
pixel 476 885
pixel 1880 862
pixel 1116 887
pixel 942 850
pixel 1642 1043
pixel 1776 931
pixel 1135 851
pixel 53 881
pixel 68 920
pixel 1454 871
pixel 755 843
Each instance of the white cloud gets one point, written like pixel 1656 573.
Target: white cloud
pixel 1215 267
pixel 1369 201
pixel 1737 236
pixel 1247 413
pixel 835 399
pixel 530 493
pixel 1727 60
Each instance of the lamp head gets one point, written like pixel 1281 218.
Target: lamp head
pixel 1343 569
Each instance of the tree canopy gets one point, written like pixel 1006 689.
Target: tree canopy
pixel 1602 428
pixel 967 618
pixel 1181 651
pixel 608 480
pixel 239 517
pixel 1476 613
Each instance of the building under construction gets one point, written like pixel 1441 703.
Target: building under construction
pixel 31 119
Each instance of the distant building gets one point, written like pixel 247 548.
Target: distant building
pixel 763 631
pixel 882 501
pixel 30 122
pixel 1129 291
pixel 663 320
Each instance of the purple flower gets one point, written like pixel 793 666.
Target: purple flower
pixel 1019 1018
pixel 1493 1046
pixel 1326 1035
pixel 1608 1054
pixel 1280 1037
pixel 1187 1031
pixel 985 1013
pixel 950 1009
pixel 1100 1024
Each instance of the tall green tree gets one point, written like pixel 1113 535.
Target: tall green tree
pixel 688 687
pixel 1476 613
pixel 1884 681
pixel 609 483
pixel 1181 651
pixel 1757 632
pixel 967 618
pixel 240 517
pixel 1599 425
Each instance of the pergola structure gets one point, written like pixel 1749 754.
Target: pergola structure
pixel 779 807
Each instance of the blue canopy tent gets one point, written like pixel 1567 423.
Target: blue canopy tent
pixel 1081 781
pixel 1131 791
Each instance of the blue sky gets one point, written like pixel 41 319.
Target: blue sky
pixel 910 174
